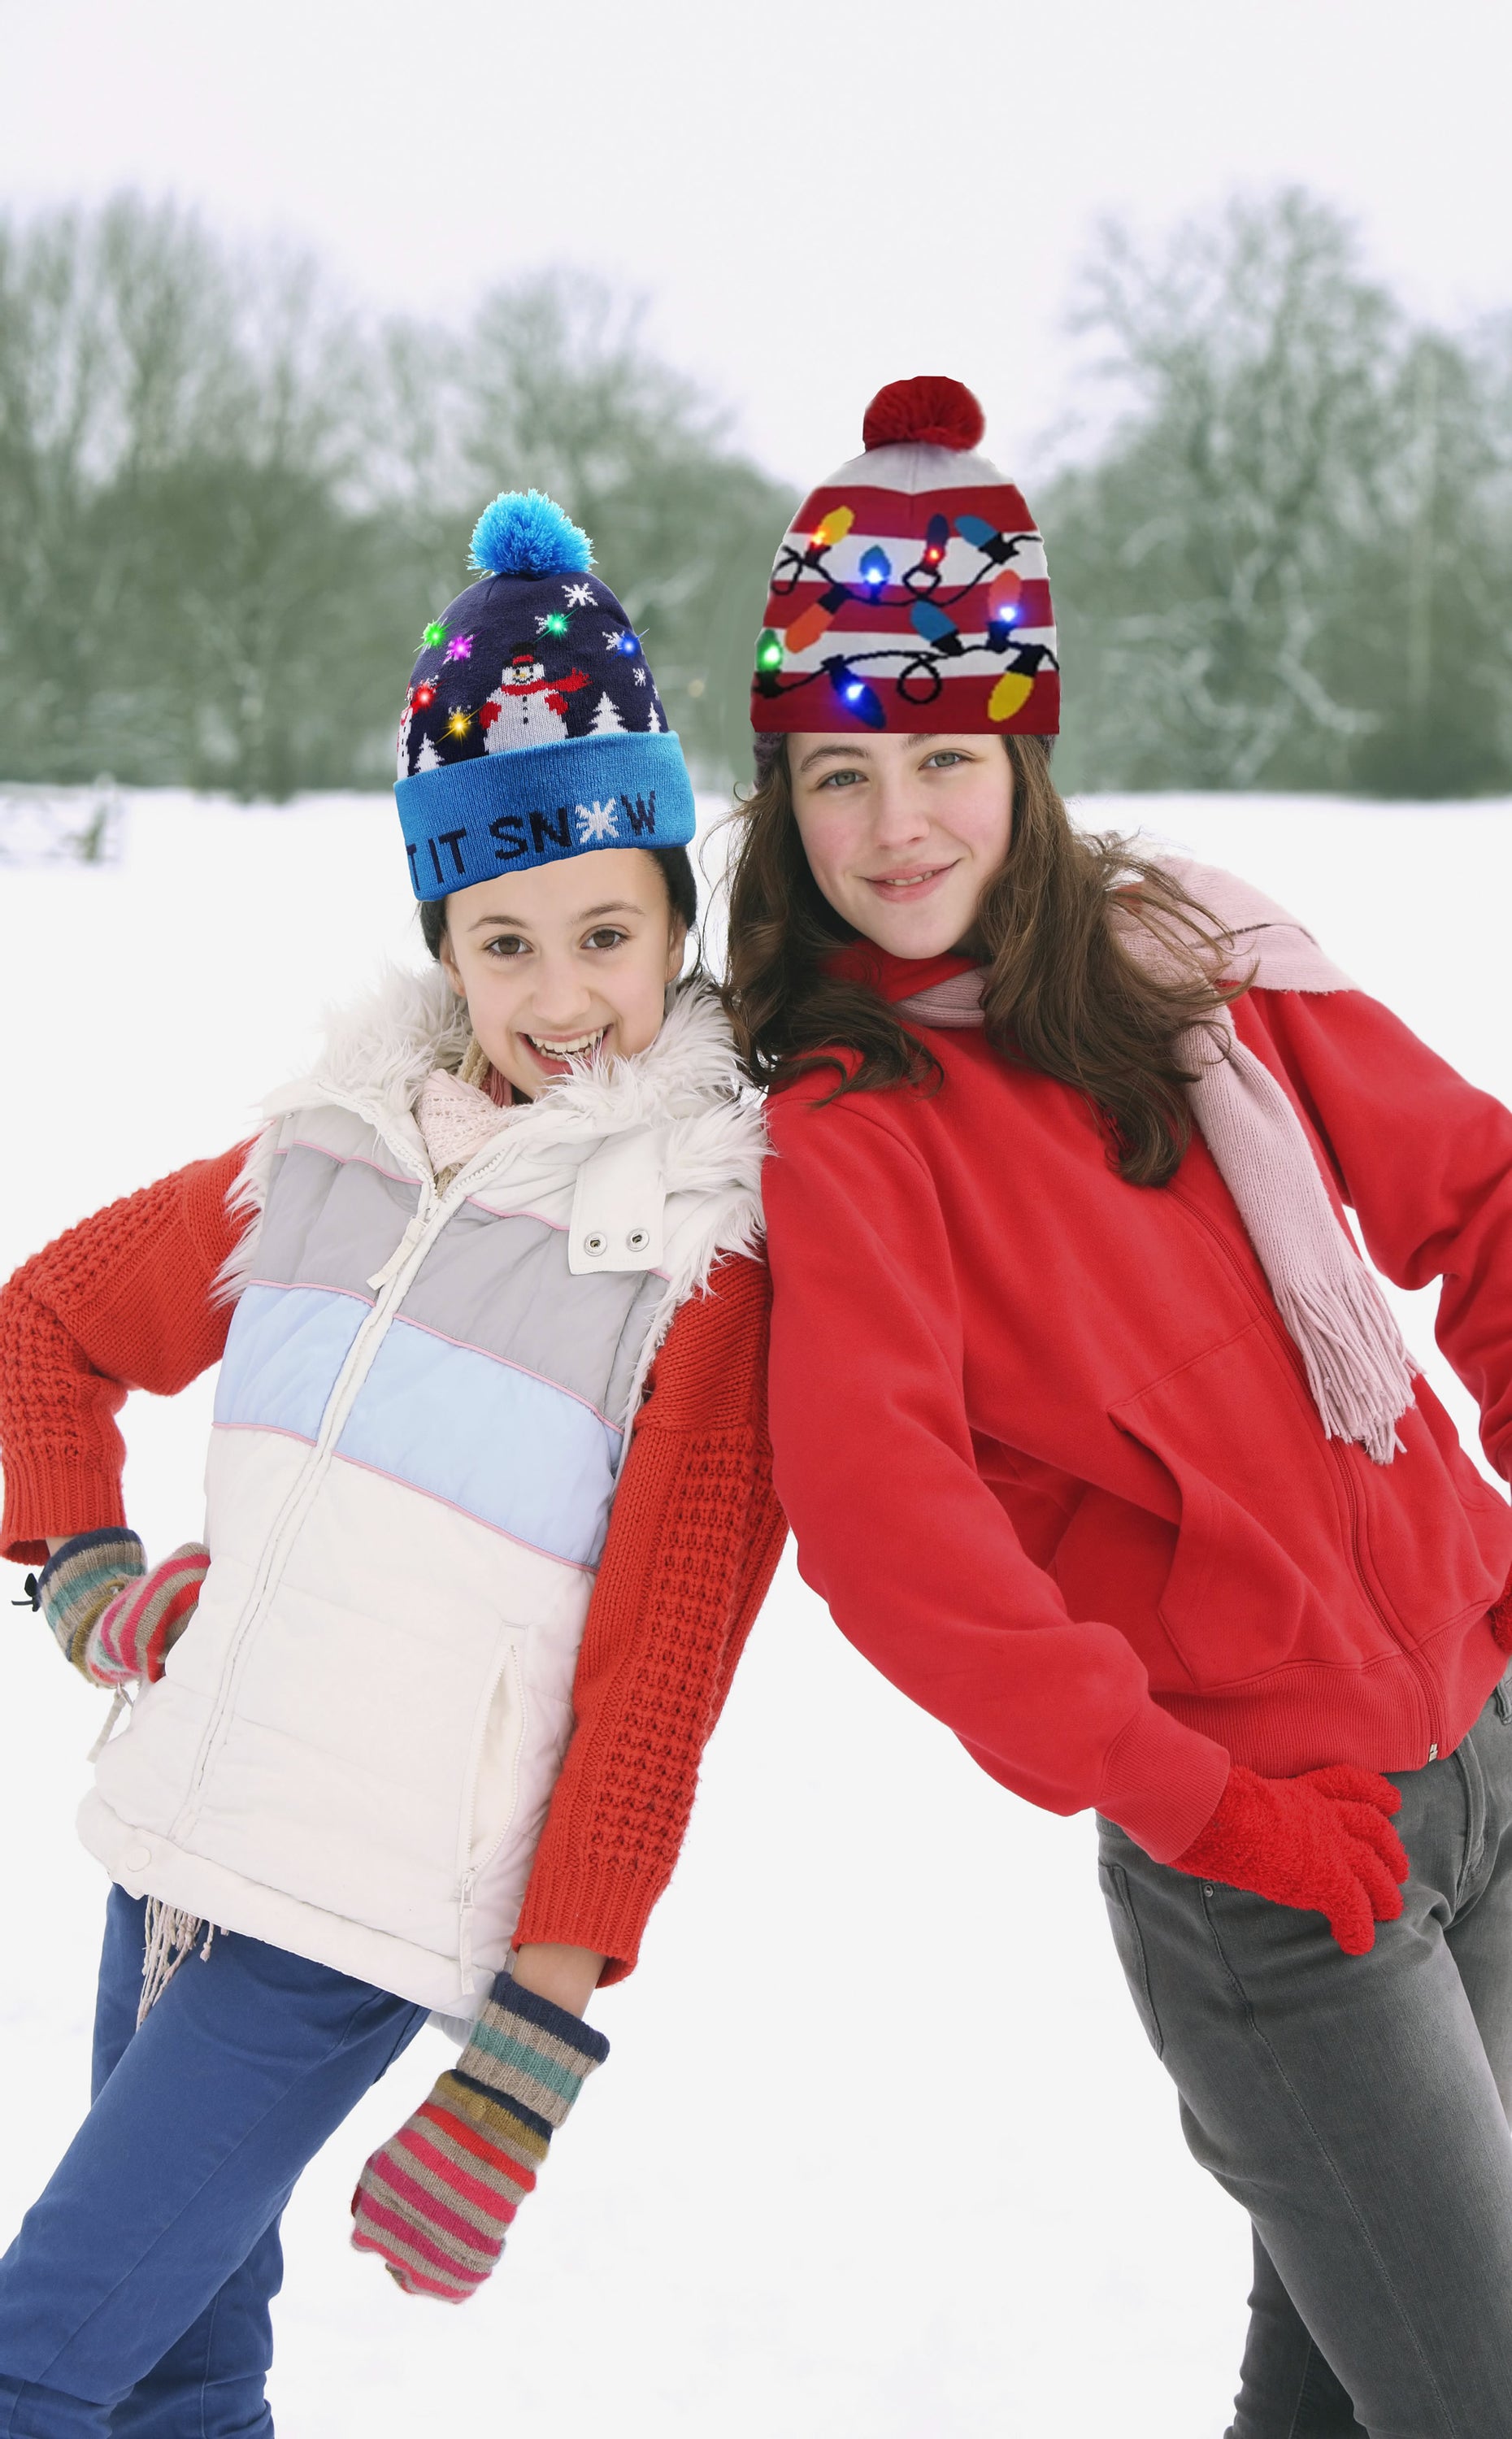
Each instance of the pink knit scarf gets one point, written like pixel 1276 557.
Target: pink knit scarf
pixel 1357 1368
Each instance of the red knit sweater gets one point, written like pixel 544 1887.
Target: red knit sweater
pixel 123 1302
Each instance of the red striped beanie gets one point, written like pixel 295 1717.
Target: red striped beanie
pixel 911 593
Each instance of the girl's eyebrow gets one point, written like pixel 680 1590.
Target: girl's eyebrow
pixel 588 915
pixel 841 752
pixel 858 751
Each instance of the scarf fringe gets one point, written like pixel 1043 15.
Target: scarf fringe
pixel 1357 1368
pixel 171 1936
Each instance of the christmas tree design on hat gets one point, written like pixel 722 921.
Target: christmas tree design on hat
pixel 911 591
pixel 532 729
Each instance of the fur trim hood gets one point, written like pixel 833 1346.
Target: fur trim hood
pixel 687 1084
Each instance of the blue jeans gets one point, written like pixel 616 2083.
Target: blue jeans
pixel 1357 2107
pixel 133 2303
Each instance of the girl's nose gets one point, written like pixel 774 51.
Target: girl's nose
pixel 559 1003
pixel 899 819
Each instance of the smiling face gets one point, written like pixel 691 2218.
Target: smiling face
pixel 904 833
pixel 570 959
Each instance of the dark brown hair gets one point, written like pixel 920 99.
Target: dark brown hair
pixel 1062 995
pixel 676 870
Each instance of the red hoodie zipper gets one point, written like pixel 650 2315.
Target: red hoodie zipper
pixel 1298 1373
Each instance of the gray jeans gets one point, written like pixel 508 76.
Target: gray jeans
pixel 1358 2107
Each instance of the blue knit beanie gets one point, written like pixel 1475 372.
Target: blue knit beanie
pixel 533 729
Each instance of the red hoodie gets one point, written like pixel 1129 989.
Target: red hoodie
pixel 1049 1452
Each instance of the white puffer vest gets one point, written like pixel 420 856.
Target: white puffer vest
pixel 422 1415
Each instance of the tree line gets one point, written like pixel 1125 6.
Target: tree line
pixel 228 504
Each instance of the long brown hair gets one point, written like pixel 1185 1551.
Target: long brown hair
pixel 1062 995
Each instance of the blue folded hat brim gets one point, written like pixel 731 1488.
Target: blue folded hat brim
pixel 540 804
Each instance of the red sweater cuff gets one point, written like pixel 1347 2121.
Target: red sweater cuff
pixel 1162 1782
pixel 51 1494
pixel 606 1911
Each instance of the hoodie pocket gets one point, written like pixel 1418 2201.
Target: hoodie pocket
pixel 1259 1574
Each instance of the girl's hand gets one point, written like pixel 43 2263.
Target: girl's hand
pixel 111 1619
pixel 144 1621
pixel 81 1580
pixel 1323 1841
pixel 436 2202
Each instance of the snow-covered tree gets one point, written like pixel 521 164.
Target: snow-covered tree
pixel 605 717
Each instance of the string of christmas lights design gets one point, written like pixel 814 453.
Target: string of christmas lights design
pixel 922 676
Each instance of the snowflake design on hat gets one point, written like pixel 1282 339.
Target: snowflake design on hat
pixel 597 821
pixel 581 596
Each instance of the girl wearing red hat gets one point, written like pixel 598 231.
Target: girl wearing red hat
pixel 1098 1436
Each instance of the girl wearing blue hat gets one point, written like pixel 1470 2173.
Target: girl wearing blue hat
pixel 416 1728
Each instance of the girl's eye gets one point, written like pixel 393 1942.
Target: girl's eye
pixel 506 944
pixel 606 938
pixel 943 759
pixel 838 778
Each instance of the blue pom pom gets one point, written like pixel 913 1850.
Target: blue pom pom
pixel 522 533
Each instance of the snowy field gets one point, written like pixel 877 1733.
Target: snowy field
pixel 881 2153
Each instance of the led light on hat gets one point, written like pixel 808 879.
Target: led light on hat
pixel 921 588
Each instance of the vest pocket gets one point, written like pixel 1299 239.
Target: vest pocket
pixel 493 1779
pixel 492 1794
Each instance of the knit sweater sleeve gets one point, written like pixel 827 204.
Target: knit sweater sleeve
pixel 122 1301
pixel 693 1540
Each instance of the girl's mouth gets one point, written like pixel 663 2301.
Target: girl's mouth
pixel 555 1057
pixel 908 885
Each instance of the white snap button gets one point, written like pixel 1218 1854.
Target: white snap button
pixel 593 1244
pixel 138 1857
pixel 637 1240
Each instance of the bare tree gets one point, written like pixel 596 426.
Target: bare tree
pixel 1253 570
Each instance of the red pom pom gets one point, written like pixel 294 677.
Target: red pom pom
pixel 930 408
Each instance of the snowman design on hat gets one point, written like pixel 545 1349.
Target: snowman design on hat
pixel 527 708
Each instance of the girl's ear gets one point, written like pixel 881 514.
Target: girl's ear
pixel 449 965
pixel 676 946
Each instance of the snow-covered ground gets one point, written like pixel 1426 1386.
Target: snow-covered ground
pixel 881 2151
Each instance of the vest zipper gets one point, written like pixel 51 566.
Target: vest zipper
pixel 396 1275
pixel 464 1930
pixel 1298 1373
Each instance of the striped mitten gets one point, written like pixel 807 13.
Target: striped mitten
pixel 140 1626
pixel 436 2202
pixel 78 1583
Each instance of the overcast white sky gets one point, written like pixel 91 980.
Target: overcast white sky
pixel 817 197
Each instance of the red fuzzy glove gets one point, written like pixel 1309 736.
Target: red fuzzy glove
pixel 1500 1620
pixel 1322 1843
